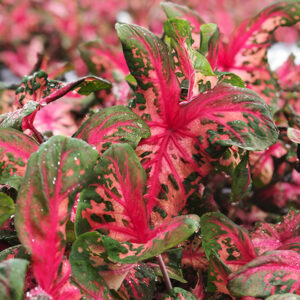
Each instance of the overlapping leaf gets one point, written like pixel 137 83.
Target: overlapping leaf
pixel 107 61
pixel 117 124
pixel 90 267
pixel 274 272
pixel 230 241
pixel 15 119
pixel 173 10
pixel 195 69
pixel 227 247
pixel 184 136
pixel 245 54
pixel 15 150
pixel 284 235
pixel 118 208
pixel 12 274
pixel 36 91
pixel 59 168
pixel 139 283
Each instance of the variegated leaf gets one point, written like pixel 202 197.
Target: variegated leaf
pixel 284 235
pixel 195 69
pixel 173 10
pixel 12 274
pixel 116 204
pixel 139 283
pixel 274 272
pixel 245 54
pixel 218 273
pixel 15 119
pixel 228 240
pixel 15 150
pixel 107 61
pixel 91 269
pixel 58 170
pixel 39 89
pixel 34 88
pixel 241 180
pixel 117 124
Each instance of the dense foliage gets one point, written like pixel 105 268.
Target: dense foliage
pixel 167 169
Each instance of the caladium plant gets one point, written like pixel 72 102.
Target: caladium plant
pixel 113 212
pixel 186 135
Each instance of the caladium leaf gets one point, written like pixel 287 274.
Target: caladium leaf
pixel 34 88
pixel 284 235
pixel 117 204
pixel 117 124
pixel 39 89
pixel 179 294
pixel 15 150
pixel 12 274
pixel 218 273
pixel 7 208
pixel 245 54
pixel 36 91
pixel 195 69
pixel 59 168
pixel 274 272
pixel 184 136
pixel 228 240
pixel 284 297
pixel 90 267
pixel 139 283
pixel 15 119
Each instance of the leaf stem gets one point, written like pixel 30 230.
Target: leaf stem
pixel 164 272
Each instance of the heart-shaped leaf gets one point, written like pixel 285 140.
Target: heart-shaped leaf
pixel 58 169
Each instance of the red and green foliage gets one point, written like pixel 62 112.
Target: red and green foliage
pixel 176 172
